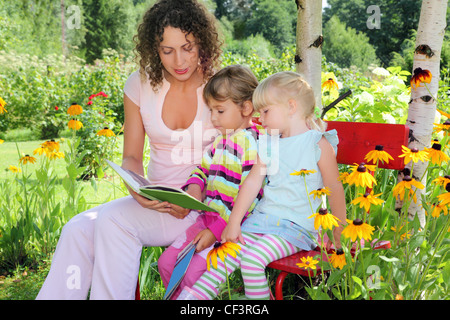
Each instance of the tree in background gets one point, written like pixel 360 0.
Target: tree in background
pixel 398 18
pixel 107 26
pixel 346 47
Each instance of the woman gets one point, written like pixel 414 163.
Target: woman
pixel 100 249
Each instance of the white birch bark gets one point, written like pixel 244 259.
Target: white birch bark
pixel 421 114
pixel 309 44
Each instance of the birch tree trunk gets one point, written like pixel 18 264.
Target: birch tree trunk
pixel 308 56
pixel 421 114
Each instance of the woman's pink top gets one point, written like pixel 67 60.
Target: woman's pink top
pixel 173 153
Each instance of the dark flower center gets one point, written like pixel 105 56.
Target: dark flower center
pixel 379 147
pixel 339 251
pixel 407 178
pixel 366 194
pixel 361 168
pixel 447 122
pixel 323 211
pixel 447 187
pixel 217 244
pixel 415 150
pixel 357 222
pixel 436 146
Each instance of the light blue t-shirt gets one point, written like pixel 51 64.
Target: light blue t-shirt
pixel 285 208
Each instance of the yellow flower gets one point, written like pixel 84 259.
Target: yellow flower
pixel 445 127
pixel 55 155
pixel 324 219
pixel 399 297
pixel 1 141
pixel 406 235
pixel 378 155
pixel 337 259
pixel 367 199
pixel 343 177
pixel 25 159
pixel 360 176
pixel 420 76
pixel 320 192
pixel 302 172
pixel 2 106
pixel 40 150
pixel 330 84
pixel 75 124
pixel 442 181
pixel 14 169
pixel 437 209
pixel 75 109
pixel 307 263
pixel 358 229
pixel 106 132
pixel 413 154
pixel 436 155
pixel 221 250
pixel 445 197
pixel 400 189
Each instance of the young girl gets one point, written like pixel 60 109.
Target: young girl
pixel 279 225
pixel 223 169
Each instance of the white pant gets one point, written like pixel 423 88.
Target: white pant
pixel 101 248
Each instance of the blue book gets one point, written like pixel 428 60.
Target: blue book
pixel 183 260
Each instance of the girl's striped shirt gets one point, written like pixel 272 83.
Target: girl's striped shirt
pixel 223 169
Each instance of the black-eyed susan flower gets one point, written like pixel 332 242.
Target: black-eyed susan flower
pixel 360 175
pixel 75 109
pixel 221 250
pixel 324 219
pixel 420 76
pixel 442 181
pixel 405 187
pixel 445 127
pixel 40 150
pixel 106 132
pixel 2 106
pixel 75 124
pixel 367 199
pixel 437 208
pixel 445 197
pixel 405 235
pixel 378 155
pixel 27 158
pixel 337 259
pixel 330 84
pixel 303 172
pixel 414 155
pixel 55 155
pixel 343 177
pixel 358 229
pixel 14 169
pixel 320 192
pixel 307 263
pixel 435 154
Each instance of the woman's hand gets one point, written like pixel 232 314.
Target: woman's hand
pixel 204 239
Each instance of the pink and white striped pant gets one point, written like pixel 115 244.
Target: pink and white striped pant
pixel 259 251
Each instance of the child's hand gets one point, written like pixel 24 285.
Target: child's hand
pixel 232 233
pixel 204 239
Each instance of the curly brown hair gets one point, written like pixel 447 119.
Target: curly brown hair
pixel 186 15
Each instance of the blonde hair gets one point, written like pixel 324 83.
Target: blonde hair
pixel 284 86
pixel 234 82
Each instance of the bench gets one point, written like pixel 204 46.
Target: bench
pixel 356 139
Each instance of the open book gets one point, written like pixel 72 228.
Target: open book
pixel 183 260
pixel 156 192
